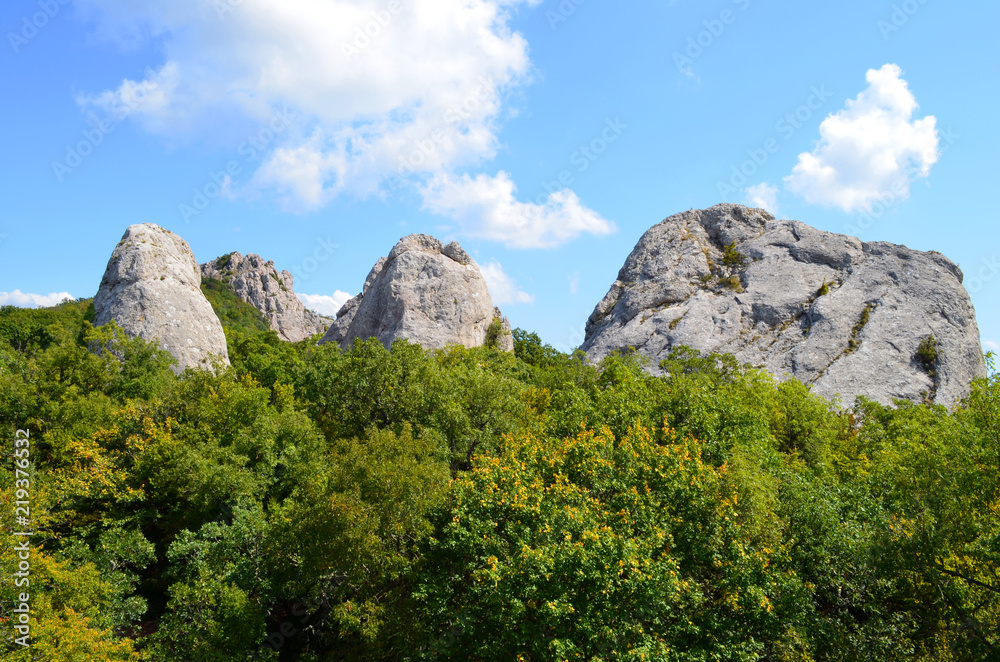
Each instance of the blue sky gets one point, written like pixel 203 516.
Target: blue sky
pixel 545 137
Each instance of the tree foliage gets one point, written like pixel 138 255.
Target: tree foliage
pixel 313 504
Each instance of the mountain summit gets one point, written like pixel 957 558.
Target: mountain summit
pixel 151 288
pixel 427 292
pixel 256 281
pixel 845 316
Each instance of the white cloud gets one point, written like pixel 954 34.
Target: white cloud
pixel 487 207
pixel 299 174
pixel 574 283
pixel 502 287
pixel 25 300
pixel 991 345
pixel 763 196
pixel 149 98
pixel 325 304
pixel 870 150
pixel 374 92
pixel 381 94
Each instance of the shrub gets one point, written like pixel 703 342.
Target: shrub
pixel 732 259
pixel 493 333
pixel 927 354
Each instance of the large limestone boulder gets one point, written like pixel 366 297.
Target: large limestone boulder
pixel 151 288
pixel 426 292
pixel 258 283
pixel 847 317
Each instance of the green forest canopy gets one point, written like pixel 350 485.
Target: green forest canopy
pixel 312 504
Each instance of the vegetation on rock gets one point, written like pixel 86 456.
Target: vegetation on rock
pixel 928 354
pixel 230 309
pixel 732 259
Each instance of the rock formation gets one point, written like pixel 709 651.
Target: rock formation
pixel 151 288
pixel 259 284
pixel 424 291
pixel 845 316
pixel 504 338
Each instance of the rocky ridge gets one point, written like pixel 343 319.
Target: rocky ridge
pixel 845 316
pixel 258 283
pixel 427 292
pixel 151 288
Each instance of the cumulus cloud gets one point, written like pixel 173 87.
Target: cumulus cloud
pixel 26 300
pixel 763 196
pixel 487 207
pixel 149 98
pixel 378 88
pixel 870 150
pixel 503 289
pixel 382 95
pixel 325 304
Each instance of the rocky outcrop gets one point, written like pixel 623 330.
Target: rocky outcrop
pixel 259 284
pixel 845 316
pixel 503 338
pixel 151 288
pixel 426 292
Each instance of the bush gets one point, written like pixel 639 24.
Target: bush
pixel 732 259
pixel 927 353
pixel 493 333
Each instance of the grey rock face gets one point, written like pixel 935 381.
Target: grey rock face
pixel 505 338
pixel 259 284
pixel 424 291
pixel 842 315
pixel 152 289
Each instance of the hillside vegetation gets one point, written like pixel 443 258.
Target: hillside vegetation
pixel 314 504
pixel 229 308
